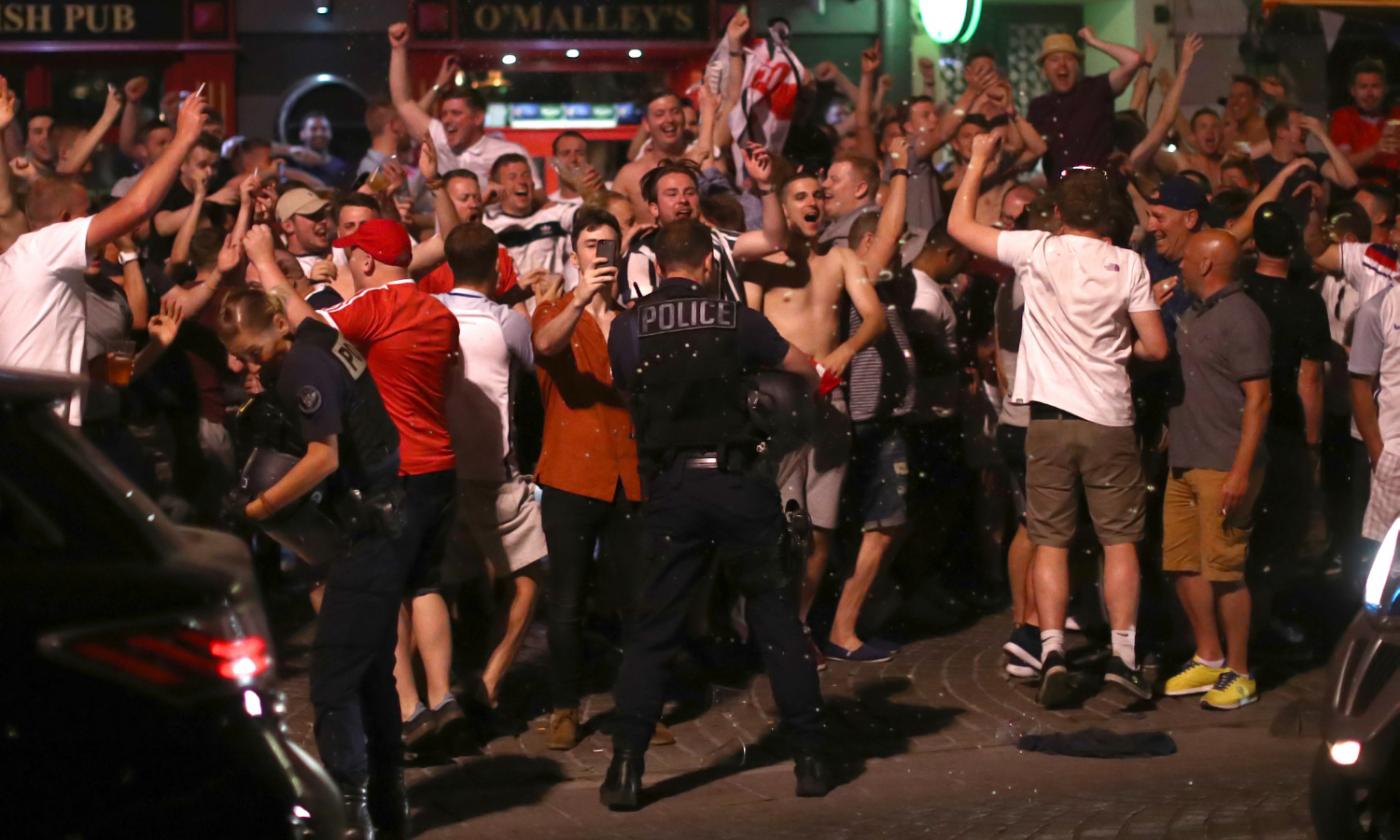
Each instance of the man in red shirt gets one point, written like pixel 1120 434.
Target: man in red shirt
pixel 1366 131
pixel 410 340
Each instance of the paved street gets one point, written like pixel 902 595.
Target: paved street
pixel 928 749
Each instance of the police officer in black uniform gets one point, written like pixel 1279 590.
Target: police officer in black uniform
pixel 348 464
pixel 681 355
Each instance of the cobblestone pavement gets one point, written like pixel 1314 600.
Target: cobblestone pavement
pixel 928 745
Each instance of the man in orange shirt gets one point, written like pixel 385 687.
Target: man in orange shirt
pixel 588 461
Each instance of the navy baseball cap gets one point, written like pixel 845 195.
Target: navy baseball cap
pixel 1180 193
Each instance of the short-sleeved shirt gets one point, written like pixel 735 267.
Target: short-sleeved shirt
pixel 589 446
pixel 1298 330
pixel 478 157
pixel 158 247
pixel 643 274
pixel 760 345
pixel 1267 167
pixel 440 281
pixel 1077 125
pixel 1220 342
pixel 42 319
pixel 1076 334
pixel 1354 131
pixel 537 241
pixel 409 338
pixel 1375 351
pixel 933 330
pixel 495 342
pixel 325 389
pixel 1008 310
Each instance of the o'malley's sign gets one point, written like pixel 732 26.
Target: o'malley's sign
pixel 584 19
pixel 137 20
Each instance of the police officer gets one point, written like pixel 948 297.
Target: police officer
pixel 681 355
pixel 349 458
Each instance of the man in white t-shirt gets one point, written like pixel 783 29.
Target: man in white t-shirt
pixel 537 239
pixel 42 292
pixel 1375 369
pixel 458 132
pixel 496 507
pixel 1085 301
pixel 570 153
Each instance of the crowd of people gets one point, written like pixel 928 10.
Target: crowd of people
pixel 1002 321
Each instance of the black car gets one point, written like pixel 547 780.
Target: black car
pixel 136 693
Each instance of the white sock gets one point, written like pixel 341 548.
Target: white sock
pixel 1211 663
pixel 1125 646
pixel 1051 640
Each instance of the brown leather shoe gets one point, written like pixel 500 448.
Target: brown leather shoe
pixel 662 736
pixel 563 729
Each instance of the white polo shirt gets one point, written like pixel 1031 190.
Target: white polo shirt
pixel 42 317
pixel 1369 267
pixel 1375 351
pixel 1076 336
pixel 477 157
pixel 494 340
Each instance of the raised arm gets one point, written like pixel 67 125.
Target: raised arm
pixel 734 34
pixel 87 144
pixel 1338 168
pixel 929 142
pixel 1129 59
pixel 8 103
pixel 259 246
pixel 865 129
pixel 1142 80
pixel 444 211
pixel 962 218
pixel 130 128
pixel 1243 227
pixel 891 223
pixel 447 71
pixel 149 190
pixel 414 117
pixel 180 248
pixel 773 236
pixel 1166 117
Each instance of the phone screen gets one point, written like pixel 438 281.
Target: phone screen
pixel 607 250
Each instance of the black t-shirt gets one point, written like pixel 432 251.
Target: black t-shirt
pixel 1298 327
pixel 324 296
pixel 1268 167
pixel 158 247
pixel 324 388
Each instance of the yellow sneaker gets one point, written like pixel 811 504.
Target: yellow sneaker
pixel 1231 691
pixel 1196 678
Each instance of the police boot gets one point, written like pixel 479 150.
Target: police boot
pixel 388 805
pixel 357 820
pixel 813 775
pixel 623 785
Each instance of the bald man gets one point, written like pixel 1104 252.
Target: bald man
pixel 1216 428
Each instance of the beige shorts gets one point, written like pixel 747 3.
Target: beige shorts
pixel 1062 456
pixel 812 475
pixel 500 522
pixel 1196 539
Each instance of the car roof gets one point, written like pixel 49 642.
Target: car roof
pixel 30 386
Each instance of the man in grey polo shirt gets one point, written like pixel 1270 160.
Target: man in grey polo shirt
pixel 1216 424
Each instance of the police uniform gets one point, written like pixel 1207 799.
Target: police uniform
pixel 682 355
pixel 324 388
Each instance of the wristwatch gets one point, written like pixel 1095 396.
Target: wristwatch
pixel 127 256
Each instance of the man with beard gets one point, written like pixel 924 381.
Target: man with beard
pixel 1365 130
pixel 1076 116
pixel 305 221
pixel 458 131
pixel 801 291
pixel 672 191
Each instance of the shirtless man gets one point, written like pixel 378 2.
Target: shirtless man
pixel 665 121
pixel 800 292
pixel 1245 132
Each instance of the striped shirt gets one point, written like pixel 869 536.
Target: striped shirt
pixel 643 273
pixel 881 376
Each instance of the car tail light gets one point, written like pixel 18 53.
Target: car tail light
pixel 178 659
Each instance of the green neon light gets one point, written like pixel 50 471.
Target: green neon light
pixel 974 17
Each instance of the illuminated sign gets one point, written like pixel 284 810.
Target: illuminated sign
pixel 560 116
pixel 596 19
pixel 153 20
pixel 950 21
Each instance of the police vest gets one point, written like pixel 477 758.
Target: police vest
pixel 690 393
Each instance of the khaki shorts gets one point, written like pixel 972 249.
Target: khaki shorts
pixel 500 522
pixel 1062 455
pixel 1196 539
pixel 813 474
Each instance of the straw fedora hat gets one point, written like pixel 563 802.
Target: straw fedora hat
pixel 1059 42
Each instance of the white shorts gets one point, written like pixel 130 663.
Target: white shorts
pixel 1384 506
pixel 501 521
pixel 812 475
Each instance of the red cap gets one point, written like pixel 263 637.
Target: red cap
pixel 385 240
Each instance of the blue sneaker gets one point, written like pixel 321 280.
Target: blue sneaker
pixel 1024 645
pixel 864 653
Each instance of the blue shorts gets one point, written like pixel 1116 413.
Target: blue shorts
pixel 877 481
